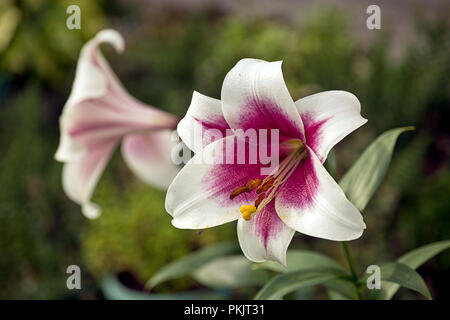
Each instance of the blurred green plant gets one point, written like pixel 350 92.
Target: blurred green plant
pixel 38 226
pixel 35 40
pixel 134 233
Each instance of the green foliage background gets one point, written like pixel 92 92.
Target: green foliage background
pixel 42 232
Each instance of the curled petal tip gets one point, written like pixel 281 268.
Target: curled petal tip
pixel 112 37
pixel 91 210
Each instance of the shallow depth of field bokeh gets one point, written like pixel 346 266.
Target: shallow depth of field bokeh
pixel 399 73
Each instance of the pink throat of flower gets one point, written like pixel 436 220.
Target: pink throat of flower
pixel 268 188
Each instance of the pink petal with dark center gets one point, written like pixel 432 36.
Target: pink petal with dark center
pixel 266 114
pixel 255 96
pixel 313 131
pixel 328 117
pixel 233 171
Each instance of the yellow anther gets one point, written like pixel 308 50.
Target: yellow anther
pixel 237 192
pixel 266 185
pixel 247 211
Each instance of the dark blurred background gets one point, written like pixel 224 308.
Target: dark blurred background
pixel 399 73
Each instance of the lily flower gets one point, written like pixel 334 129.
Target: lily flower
pixel 98 115
pixel 299 195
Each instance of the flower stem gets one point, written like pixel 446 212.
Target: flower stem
pixel 352 268
pixel 349 260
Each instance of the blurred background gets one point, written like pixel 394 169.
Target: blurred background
pixel 399 73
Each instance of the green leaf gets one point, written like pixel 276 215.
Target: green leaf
pixel 304 260
pixel 113 289
pixel 230 272
pixel 414 259
pixel 285 283
pixel 335 295
pixel 301 260
pixel 363 178
pixel 419 256
pixel 305 293
pixel 344 288
pixel 404 276
pixel 190 263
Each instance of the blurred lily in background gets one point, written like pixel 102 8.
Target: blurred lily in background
pixel 300 195
pixel 100 114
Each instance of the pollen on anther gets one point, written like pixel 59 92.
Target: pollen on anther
pixel 247 211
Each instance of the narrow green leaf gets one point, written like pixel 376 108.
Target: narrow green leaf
pixel 285 283
pixel 301 260
pixel 230 272
pixel 304 260
pixel 404 276
pixel 414 259
pixel 190 263
pixel 342 287
pixel 363 178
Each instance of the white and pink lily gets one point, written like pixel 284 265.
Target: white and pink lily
pixel 98 115
pixel 300 195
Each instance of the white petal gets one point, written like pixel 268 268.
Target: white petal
pixel 199 196
pixel 99 108
pixel 255 96
pixel 203 122
pixel 312 203
pixel 90 82
pixel 80 177
pixel 148 156
pixel 97 115
pixel 265 236
pixel 328 117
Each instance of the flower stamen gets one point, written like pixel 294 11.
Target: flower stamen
pixel 237 192
pixel 267 188
pixel 259 199
pixel 252 184
pixel 265 185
